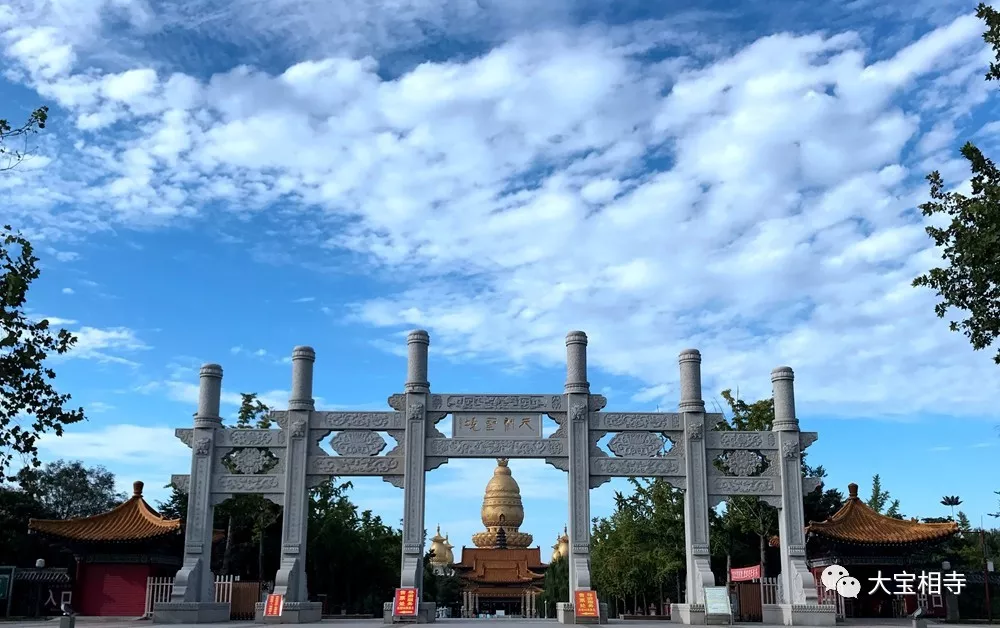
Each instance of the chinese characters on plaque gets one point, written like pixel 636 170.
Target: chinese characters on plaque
pixel 586 604
pixel 274 605
pixel 404 604
pixel 506 425
pixel 924 583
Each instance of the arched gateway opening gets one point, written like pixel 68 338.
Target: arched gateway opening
pixel 493 426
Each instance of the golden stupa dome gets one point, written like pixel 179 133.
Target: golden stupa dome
pixel 449 550
pixel 502 509
pixel 561 548
pixel 439 545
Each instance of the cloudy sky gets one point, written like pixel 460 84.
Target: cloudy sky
pixel 222 181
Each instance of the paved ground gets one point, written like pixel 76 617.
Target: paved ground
pixel 103 622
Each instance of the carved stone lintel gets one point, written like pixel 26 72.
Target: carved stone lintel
pixel 249 438
pixel 185 435
pixel 358 443
pixel 343 420
pixel 637 421
pixel 742 486
pixel 637 444
pixel 741 440
pixel 495 448
pixel 240 484
pixel 344 465
pixel 638 467
pixel 514 403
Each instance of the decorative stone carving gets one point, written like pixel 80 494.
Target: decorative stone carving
pixel 358 420
pixel 635 467
pixel 539 403
pixel 280 417
pixel 806 439
pixel 741 486
pixel 743 462
pixel 397 402
pixel 598 403
pixel 415 412
pixel 185 435
pixel 413 548
pixel 298 429
pixel 580 413
pixel 653 421
pixel 431 463
pixel 636 444
pixel 238 484
pixel 495 448
pixel 358 443
pixel 249 461
pixel 343 465
pixel 395 480
pixel 181 482
pixel 695 431
pixel 740 440
pixel 560 463
pixel 811 484
pixel 249 438
pixel 202 446
pixel 796 550
pixel 790 450
pixel 599 480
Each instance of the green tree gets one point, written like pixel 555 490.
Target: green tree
pixel 880 499
pixel 951 501
pixel 31 405
pixel 11 156
pixel 970 279
pixel 67 490
pixel 555 588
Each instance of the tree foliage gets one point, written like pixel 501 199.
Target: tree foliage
pixel 970 279
pixel 31 405
pixel 881 501
pixel 11 156
pixel 556 585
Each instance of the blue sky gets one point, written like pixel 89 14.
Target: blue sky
pixel 222 181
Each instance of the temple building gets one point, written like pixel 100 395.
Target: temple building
pixel 871 545
pixel 502 572
pixel 115 553
pixel 561 548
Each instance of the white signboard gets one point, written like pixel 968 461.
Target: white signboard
pixel 717 602
pixel 505 425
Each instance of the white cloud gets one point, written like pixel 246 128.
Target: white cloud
pixel 98 407
pixel 119 443
pixel 104 345
pixel 68 291
pixel 756 206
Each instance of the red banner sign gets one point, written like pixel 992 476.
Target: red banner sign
pixel 744 573
pixel 404 604
pixel 274 605
pixel 586 604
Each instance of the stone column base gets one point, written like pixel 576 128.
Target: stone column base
pixel 426 614
pixel 806 614
pixel 190 612
pixel 291 613
pixel 772 615
pixel 566 614
pixel 690 614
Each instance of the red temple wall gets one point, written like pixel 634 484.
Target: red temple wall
pixel 111 590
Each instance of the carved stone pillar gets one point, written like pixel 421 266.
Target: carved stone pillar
pixel 290 580
pixel 577 391
pixel 696 531
pixel 800 603
pixel 417 390
pixel 192 599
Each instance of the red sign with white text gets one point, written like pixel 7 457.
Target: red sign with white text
pixel 274 605
pixel 404 604
pixel 743 574
pixel 586 604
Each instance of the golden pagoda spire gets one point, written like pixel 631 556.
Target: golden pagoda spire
pixel 502 508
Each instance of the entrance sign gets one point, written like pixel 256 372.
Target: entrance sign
pixel 743 574
pixel 274 605
pixel 587 605
pixel 404 604
pixel 717 604
pixel 496 425
pixel 680 448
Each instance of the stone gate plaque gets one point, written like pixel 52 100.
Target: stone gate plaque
pixel 506 425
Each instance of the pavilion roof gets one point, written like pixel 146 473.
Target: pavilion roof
pixel 858 523
pixel 133 520
pixel 500 566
